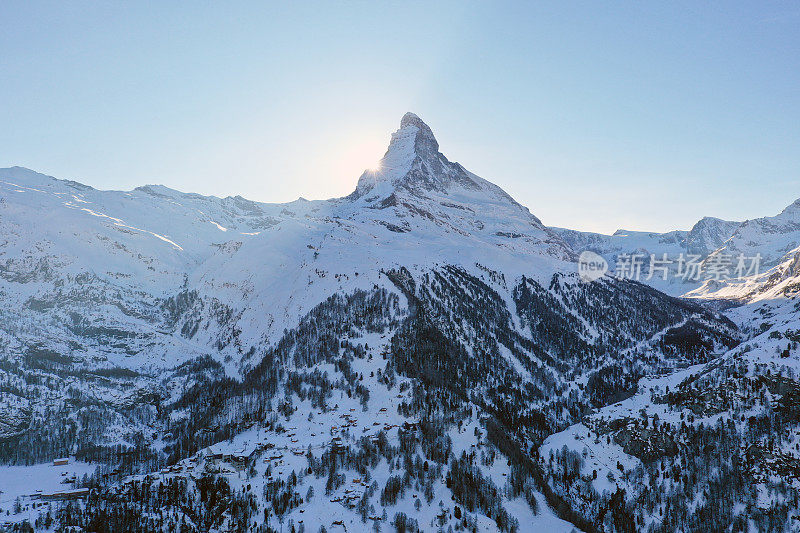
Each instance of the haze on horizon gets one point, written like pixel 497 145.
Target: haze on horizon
pixel 596 117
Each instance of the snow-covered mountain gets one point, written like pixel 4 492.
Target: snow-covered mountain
pixel 706 236
pixel 714 446
pixel 781 281
pixel 709 234
pixel 707 448
pixel 417 211
pixel 771 239
pixel 393 358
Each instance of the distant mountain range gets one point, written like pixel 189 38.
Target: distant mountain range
pixel 772 239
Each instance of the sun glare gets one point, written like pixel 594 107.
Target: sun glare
pixel 358 155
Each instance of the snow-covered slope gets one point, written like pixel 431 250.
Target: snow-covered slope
pixel 781 281
pixel 711 447
pixel 714 446
pixel 74 259
pixel 773 238
pixel 400 352
pixel 417 211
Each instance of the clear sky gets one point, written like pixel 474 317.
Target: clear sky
pixel 596 115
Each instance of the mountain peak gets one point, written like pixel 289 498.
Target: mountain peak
pixel 413 162
pixel 792 208
pixel 424 132
pixel 412 119
pixel 425 144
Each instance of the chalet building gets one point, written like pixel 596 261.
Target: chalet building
pixel 65 494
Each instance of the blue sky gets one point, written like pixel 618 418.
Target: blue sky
pixel 595 115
